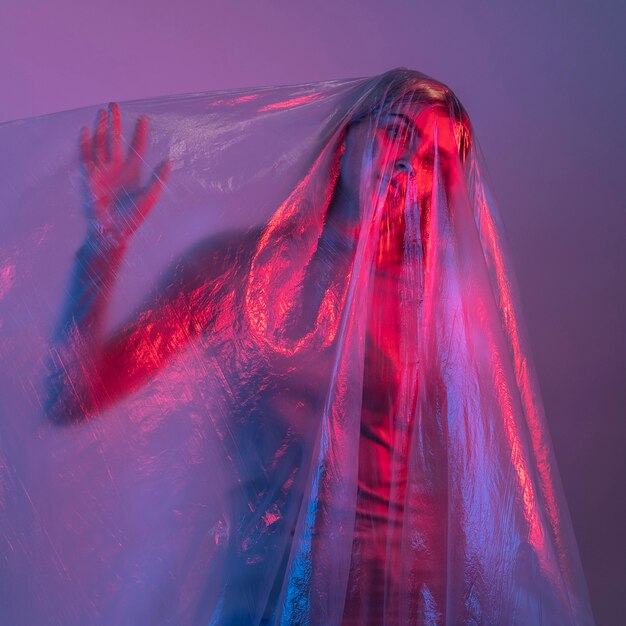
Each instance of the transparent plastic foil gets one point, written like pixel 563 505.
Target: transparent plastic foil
pixel 263 363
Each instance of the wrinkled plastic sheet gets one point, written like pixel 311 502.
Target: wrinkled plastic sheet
pixel 263 363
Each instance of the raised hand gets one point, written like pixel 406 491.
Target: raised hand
pixel 116 200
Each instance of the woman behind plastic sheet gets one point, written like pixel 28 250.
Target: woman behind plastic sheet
pixel 378 454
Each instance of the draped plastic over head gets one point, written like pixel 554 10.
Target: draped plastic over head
pixel 286 383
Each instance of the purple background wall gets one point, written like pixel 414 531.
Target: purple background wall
pixel 545 87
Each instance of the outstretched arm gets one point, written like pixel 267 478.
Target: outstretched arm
pixel 88 371
pixel 116 204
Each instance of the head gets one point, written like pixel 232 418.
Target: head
pixel 393 138
pixel 409 96
pixel 388 136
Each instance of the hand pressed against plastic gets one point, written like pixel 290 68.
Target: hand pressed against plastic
pixel 116 200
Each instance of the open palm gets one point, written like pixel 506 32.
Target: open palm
pixel 116 200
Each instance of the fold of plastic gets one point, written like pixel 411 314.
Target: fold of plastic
pixel 313 402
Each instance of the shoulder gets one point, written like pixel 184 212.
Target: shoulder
pixel 216 257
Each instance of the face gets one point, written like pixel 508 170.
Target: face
pixel 401 148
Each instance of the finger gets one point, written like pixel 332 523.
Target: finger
pixel 99 138
pixel 85 147
pixel 153 189
pixel 138 144
pixel 115 133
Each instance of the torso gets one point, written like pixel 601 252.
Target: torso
pixel 291 390
pixel 380 492
pixel 278 396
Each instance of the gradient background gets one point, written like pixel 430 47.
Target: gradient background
pixel 545 87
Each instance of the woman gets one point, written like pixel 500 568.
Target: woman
pixel 364 392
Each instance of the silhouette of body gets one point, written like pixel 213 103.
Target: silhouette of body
pixel 204 296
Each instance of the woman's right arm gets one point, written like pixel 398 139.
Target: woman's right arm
pixel 79 381
pixel 88 371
